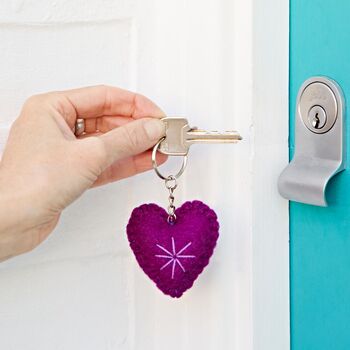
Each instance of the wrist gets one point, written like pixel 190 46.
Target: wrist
pixel 14 206
pixel 24 223
pixel 18 230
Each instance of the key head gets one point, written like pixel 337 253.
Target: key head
pixel 174 143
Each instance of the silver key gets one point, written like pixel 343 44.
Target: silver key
pixel 179 136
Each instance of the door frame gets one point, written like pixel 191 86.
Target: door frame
pixel 270 214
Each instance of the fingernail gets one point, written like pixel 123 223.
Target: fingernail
pixel 155 129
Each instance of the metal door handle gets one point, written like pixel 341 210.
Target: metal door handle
pixel 319 142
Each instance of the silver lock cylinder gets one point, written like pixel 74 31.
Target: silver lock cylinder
pixel 319 142
pixel 318 107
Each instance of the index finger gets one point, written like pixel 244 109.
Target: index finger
pixel 98 101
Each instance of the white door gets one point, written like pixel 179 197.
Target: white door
pixel 206 60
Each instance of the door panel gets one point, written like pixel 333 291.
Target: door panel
pixel 82 289
pixel 214 62
pixel 320 237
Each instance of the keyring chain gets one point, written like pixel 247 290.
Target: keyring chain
pixel 171 184
pixel 170 181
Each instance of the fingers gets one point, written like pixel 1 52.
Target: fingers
pixel 128 167
pixel 90 125
pixel 96 101
pixel 103 124
pixel 131 139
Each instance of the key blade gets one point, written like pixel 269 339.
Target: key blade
pixel 201 136
pixel 179 136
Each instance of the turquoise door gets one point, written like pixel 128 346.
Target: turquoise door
pixel 320 237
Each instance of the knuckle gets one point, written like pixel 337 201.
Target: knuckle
pixel 39 100
pixel 107 104
pixel 104 86
pixel 35 99
pixel 32 102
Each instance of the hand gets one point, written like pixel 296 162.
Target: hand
pixel 45 167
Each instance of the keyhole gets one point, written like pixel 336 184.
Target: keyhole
pixel 317 118
pixel 316 121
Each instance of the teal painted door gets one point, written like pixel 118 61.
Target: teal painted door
pixel 320 237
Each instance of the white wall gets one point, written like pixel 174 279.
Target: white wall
pixel 82 288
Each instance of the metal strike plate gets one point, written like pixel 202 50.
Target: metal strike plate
pixel 319 142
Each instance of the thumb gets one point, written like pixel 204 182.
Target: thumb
pixel 131 139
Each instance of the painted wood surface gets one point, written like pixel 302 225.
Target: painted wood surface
pixel 82 288
pixel 320 237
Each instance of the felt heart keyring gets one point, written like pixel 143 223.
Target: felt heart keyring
pixel 174 254
pixel 173 247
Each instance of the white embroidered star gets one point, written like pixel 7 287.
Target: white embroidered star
pixel 174 257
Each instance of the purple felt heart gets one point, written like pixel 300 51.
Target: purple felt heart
pixel 173 255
